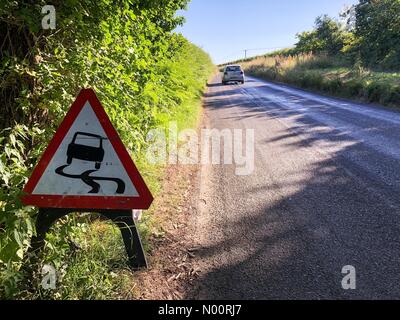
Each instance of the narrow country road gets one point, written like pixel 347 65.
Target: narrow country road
pixel 325 194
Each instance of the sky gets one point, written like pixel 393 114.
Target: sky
pixel 225 28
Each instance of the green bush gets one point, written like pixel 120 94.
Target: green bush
pixel 313 80
pixel 354 88
pixel 335 86
pixel 376 92
pixel 395 96
pixel 142 72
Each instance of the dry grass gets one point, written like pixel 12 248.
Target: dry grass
pixel 284 64
pixel 331 75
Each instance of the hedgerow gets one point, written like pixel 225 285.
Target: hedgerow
pixel 125 50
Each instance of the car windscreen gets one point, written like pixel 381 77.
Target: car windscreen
pixel 87 141
pixel 233 69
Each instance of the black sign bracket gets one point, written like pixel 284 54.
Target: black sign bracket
pixel 122 218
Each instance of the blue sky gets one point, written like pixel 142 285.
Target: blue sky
pixel 224 28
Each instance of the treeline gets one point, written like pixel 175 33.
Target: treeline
pixel 369 34
pixel 125 50
pixel 357 57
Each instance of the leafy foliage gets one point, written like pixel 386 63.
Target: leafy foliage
pixel 371 36
pixel 377 29
pixel 328 36
pixel 125 50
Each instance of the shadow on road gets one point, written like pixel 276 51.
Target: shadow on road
pixel 214 84
pixel 343 213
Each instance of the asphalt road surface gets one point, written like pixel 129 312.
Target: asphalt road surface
pixel 325 193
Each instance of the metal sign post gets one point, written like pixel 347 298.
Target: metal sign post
pixel 86 168
pixel 122 218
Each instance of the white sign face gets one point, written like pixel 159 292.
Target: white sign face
pixel 85 163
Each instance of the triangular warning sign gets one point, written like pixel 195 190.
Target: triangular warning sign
pixel 86 165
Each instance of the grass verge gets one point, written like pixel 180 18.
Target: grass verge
pixel 330 75
pixel 87 252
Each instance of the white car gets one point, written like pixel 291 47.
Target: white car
pixel 233 73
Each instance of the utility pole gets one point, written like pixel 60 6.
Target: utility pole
pixel 247 50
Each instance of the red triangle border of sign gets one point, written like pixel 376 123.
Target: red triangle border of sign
pixel 142 201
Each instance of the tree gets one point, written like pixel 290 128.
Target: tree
pixel 378 32
pixel 328 36
pixel 330 33
pixel 308 42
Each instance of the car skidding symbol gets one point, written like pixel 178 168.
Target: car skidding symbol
pixel 84 152
pixel 88 153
